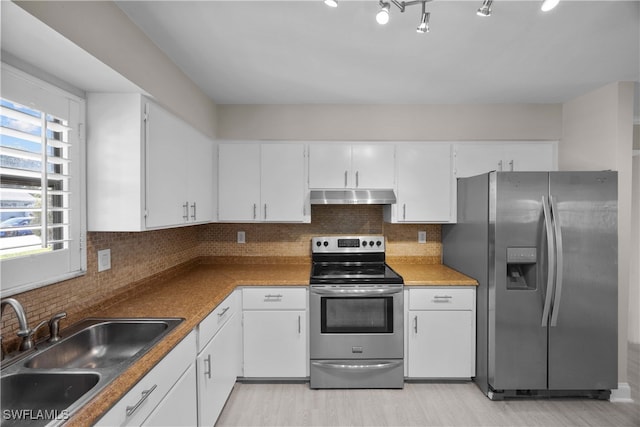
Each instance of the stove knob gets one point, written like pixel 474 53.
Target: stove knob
pixel 379 243
pixel 371 243
pixel 326 244
pixel 364 243
pixel 318 243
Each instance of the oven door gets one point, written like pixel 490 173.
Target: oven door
pixel 356 322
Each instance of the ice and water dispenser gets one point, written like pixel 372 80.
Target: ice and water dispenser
pixel 521 268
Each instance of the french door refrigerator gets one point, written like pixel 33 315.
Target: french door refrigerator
pixel 543 248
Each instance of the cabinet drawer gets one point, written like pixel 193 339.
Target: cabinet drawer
pixel 449 298
pixel 216 319
pixel 274 298
pixel 142 399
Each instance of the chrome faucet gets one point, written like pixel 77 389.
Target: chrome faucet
pixel 23 332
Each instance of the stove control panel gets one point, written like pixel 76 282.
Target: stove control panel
pixel 347 244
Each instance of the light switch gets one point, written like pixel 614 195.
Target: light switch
pixel 241 237
pixel 104 260
pixel 422 237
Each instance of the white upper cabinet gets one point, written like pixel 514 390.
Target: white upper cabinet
pixel 146 168
pixel 425 184
pixel 342 165
pixel 474 158
pixel 262 183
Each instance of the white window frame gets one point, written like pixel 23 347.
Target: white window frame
pixel 21 274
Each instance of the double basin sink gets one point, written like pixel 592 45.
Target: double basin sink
pixel 47 385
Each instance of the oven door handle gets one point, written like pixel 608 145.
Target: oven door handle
pixel 357 366
pixel 355 292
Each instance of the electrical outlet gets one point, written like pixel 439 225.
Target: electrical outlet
pixel 104 260
pixel 422 237
pixel 241 237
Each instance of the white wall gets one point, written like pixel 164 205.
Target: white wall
pixel 104 31
pixel 597 134
pixel 390 122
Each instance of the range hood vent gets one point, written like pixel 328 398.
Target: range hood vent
pixel 353 197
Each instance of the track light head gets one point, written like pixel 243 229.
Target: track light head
pixel 424 23
pixel 485 9
pixel 547 5
pixel 331 3
pixel 382 17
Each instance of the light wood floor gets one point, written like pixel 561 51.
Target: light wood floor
pixel 420 404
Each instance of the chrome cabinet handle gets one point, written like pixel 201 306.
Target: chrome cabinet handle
pixel 345 178
pixel 265 211
pixel 299 325
pixel 223 312
pixel 254 211
pixel 273 296
pixel 442 298
pixel 415 324
pixel 404 211
pixel 193 215
pixel 357 179
pixel 207 372
pixel 186 211
pixel 145 393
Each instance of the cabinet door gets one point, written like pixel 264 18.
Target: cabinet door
pixel 440 344
pixel 282 182
pixel 530 157
pixel 476 158
pixel 330 166
pixel 275 344
pixel 200 173
pixel 166 169
pixel 179 407
pixel 239 182
pixel 217 369
pixel 424 183
pixel 373 166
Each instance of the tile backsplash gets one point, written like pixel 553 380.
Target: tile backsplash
pixel 146 256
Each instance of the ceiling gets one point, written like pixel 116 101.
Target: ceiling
pixel 303 52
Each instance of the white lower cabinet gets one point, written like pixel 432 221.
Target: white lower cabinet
pixel 219 360
pixel 440 333
pixel 179 407
pixel 275 333
pixel 151 393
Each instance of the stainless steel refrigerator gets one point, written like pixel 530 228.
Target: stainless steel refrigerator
pixel 544 248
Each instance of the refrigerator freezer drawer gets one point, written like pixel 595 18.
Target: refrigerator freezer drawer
pixel 449 298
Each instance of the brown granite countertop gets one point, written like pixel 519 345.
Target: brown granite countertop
pixel 193 294
pixel 431 275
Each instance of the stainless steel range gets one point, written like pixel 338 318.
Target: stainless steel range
pixel 356 315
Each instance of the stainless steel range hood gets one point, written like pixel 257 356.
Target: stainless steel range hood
pixel 353 197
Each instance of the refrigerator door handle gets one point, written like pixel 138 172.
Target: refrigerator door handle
pixel 559 261
pixel 551 261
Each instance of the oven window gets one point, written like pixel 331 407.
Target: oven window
pixel 356 315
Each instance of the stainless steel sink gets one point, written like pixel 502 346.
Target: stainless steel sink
pixel 46 386
pixel 101 345
pixel 38 398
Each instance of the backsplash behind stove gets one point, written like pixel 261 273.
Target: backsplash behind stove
pixel 293 240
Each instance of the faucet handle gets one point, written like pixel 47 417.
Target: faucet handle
pixel 27 336
pixel 54 326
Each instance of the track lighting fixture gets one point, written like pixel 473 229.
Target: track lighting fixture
pixel 547 5
pixel 485 9
pixel 382 17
